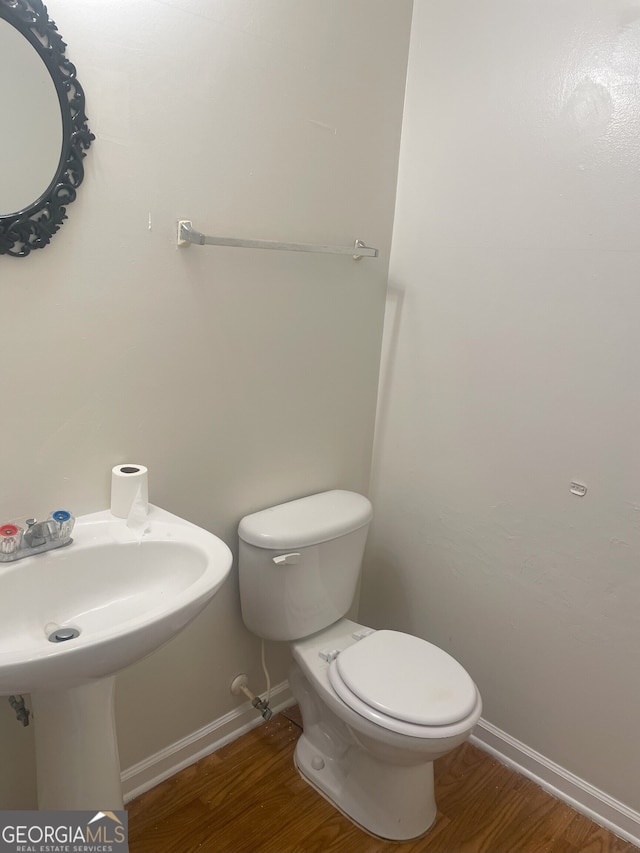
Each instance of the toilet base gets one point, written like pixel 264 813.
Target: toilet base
pixel 394 803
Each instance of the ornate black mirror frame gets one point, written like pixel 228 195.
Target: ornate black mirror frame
pixel 33 226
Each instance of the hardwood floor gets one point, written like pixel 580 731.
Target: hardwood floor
pixel 248 798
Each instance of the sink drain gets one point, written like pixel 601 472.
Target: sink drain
pixel 61 635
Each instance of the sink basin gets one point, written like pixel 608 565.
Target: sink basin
pixel 126 595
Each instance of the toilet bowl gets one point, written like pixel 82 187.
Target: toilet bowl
pixel 376 767
pixel 378 706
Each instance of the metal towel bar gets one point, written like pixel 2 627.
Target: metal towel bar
pixel 187 235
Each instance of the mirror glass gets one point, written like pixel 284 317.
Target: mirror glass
pixel 31 127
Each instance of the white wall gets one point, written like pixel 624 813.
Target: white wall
pixel 239 378
pixel 510 370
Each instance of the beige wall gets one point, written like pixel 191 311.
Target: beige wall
pixel 239 378
pixel 510 370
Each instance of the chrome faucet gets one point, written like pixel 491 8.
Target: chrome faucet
pixel 40 536
pixel 37 533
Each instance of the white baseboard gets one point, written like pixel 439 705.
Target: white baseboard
pixel 583 797
pixel 169 761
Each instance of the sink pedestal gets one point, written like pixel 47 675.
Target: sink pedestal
pixel 76 749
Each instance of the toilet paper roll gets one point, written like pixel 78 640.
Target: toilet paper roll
pixel 128 483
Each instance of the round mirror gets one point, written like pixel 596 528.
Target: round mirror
pixel 43 133
pixel 31 129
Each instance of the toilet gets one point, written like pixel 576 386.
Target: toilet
pixel 378 706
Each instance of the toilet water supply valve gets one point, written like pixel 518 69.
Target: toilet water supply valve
pixel 239 685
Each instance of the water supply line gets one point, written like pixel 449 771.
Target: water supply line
pixel 263 660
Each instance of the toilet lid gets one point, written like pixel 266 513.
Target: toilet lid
pixel 407 678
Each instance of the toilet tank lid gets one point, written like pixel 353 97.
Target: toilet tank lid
pixel 306 521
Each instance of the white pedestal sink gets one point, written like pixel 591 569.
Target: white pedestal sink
pixel 126 594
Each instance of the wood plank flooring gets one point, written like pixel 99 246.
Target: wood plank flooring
pixel 248 798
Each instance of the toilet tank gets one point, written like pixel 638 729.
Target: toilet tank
pixel 300 562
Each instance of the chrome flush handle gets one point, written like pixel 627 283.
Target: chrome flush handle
pixel 288 559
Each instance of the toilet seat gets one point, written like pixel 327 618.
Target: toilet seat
pixel 404 684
